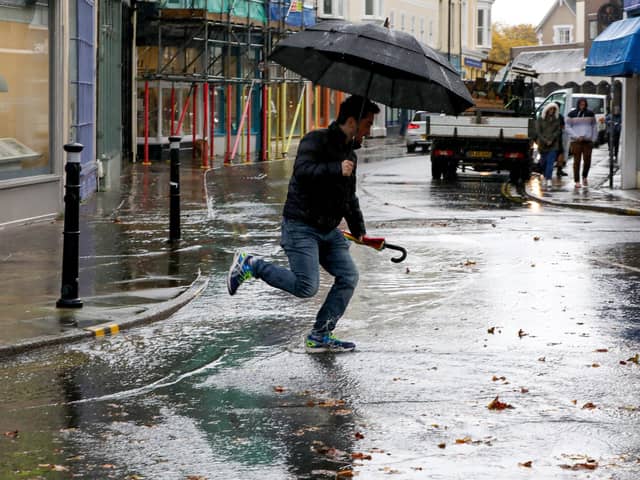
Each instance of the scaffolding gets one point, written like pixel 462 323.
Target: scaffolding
pixel 203 74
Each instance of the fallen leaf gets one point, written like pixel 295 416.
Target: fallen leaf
pixel 360 456
pixel 589 465
pixel 342 412
pixel 310 403
pixel 495 379
pixel 635 359
pixel 542 359
pixel 469 263
pixel 524 390
pixel 535 239
pixel 521 333
pixel 622 362
pixel 588 406
pixel 331 403
pixel 491 330
pixel 527 464
pixel 54 468
pixel 496 404
pixel 344 474
pixel 575 402
pixel 278 389
pixel 442 445
pixel 602 350
pixel 463 440
pixel 11 434
pixel 358 436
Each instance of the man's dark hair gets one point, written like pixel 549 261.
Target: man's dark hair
pixel 357 107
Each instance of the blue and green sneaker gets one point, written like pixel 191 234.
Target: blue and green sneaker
pixel 239 271
pixel 327 343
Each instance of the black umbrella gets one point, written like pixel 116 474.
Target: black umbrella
pixel 375 62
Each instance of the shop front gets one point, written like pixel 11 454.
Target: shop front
pixel 30 129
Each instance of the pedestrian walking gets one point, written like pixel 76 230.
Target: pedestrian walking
pixel 614 127
pixel 582 130
pixel 322 192
pixel 561 161
pixel 549 138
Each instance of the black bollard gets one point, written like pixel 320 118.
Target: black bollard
pixel 174 183
pixel 71 240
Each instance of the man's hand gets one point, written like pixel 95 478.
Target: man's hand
pixel 347 168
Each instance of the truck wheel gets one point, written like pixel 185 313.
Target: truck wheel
pixel 436 168
pixel 450 170
pixel 411 148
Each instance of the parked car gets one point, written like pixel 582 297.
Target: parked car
pixel 567 100
pixel 416 134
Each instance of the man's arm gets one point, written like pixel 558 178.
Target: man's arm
pixel 354 218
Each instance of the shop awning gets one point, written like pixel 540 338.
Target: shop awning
pixel 616 51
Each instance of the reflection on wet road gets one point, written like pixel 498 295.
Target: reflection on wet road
pixel 534 305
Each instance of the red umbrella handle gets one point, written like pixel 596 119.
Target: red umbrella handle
pixel 378 243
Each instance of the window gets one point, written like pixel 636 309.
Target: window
pixel 483 28
pixel 422 29
pixel 593 29
pixel 392 19
pixel 333 8
pixel 562 34
pixel 402 21
pixel 373 8
pixel 413 25
pixel 24 89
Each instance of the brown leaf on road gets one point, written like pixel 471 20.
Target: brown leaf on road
pixel 342 412
pixel 602 350
pixel 589 406
pixel 595 365
pixel 522 333
pixel 345 474
pixel 491 330
pixel 442 445
pixel 331 403
pixel 360 456
pixel 524 390
pixel 635 359
pixel 278 389
pixel 495 378
pixel 536 239
pixel 460 441
pixel 588 465
pixel 358 436
pixel 496 404
pixel 52 467
pixel 527 464
pixel 11 434
pixel 196 477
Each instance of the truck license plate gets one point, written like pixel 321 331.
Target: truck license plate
pixel 423 136
pixel 478 154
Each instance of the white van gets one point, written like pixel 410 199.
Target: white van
pixel 568 100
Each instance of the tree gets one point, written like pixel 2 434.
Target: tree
pixel 504 37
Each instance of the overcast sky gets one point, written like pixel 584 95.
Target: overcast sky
pixel 515 12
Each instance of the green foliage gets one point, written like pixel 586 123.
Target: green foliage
pixel 505 37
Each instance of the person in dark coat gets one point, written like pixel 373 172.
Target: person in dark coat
pixel 322 192
pixel 614 126
pixel 549 138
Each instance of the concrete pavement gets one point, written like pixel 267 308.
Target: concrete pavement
pixel 130 274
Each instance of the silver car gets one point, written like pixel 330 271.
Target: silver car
pixel 416 134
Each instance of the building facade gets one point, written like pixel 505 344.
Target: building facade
pixel 47 99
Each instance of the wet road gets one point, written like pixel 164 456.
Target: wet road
pixel 537 306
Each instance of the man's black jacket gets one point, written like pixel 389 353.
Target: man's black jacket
pixel 319 195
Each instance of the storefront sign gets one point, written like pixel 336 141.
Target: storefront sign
pixel 473 63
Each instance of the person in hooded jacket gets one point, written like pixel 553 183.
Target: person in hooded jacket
pixel 322 192
pixel 549 138
pixel 583 131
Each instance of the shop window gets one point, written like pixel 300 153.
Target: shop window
pixel 24 89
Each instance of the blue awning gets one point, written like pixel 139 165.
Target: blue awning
pixel 616 51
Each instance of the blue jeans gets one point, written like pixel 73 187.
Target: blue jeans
pixel 547 159
pixel 308 249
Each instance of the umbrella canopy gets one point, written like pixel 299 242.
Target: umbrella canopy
pixel 383 65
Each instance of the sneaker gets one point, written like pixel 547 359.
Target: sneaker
pixel 327 343
pixel 549 183
pixel 562 173
pixel 577 185
pixel 585 183
pixel 239 271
